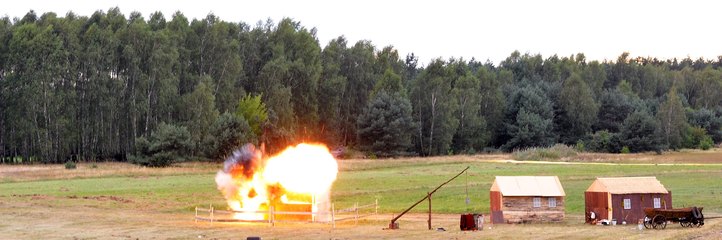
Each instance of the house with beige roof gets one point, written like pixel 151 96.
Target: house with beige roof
pixel 525 199
pixel 624 198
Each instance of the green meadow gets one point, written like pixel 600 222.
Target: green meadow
pixel 396 185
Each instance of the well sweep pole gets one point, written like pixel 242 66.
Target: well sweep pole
pixel 429 210
pixel 391 226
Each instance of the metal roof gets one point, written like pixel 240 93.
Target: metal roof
pixel 627 185
pixel 544 186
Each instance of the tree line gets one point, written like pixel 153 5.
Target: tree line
pixel 107 86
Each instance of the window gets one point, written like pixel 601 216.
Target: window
pixel 627 203
pixel 552 202
pixel 657 203
pixel 537 202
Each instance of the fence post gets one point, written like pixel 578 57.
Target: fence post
pixel 313 204
pixel 196 216
pixel 333 215
pixel 355 206
pixel 211 208
pixel 376 207
pixel 272 216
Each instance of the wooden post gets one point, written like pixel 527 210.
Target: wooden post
pixel 196 216
pixel 333 215
pixel 429 210
pixel 313 205
pixel 376 206
pixel 355 206
pixel 211 207
pixel 272 216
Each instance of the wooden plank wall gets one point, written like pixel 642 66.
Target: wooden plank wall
pixel 639 202
pixel 495 200
pixel 596 202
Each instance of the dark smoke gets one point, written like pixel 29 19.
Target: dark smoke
pixel 245 159
pixel 237 168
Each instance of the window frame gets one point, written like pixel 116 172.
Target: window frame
pixel 657 202
pixel 536 202
pixel 552 202
pixel 627 203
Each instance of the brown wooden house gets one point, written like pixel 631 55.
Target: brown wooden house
pixel 523 199
pixel 624 198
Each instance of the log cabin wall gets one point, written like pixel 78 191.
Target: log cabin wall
pixel 522 210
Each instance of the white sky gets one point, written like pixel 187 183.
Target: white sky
pixel 601 29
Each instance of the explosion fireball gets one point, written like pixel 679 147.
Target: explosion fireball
pixel 299 176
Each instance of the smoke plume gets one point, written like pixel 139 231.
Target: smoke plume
pixel 242 163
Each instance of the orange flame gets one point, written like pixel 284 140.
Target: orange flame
pixel 303 169
pixel 300 174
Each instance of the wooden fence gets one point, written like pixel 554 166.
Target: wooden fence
pixel 353 213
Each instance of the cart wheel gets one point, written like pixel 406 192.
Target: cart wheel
pixel 659 222
pixel 647 223
pixel 699 223
pixel 685 224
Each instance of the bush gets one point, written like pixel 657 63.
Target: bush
pixel 706 143
pixel 227 133
pixel 604 141
pixel 555 152
pixel 471 151
pixel 347 154
pixel 167 143
pixel 70 165
pixel 161 159
pixel 693 137
pixel 142 147
pixel 624 150
pixel 707 119
pixel 580 146
pixel 490 150
pixel 697 137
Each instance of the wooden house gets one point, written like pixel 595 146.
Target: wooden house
pixel 524 199
pixel 624 198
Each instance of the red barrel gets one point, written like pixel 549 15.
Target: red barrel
pixel 469 222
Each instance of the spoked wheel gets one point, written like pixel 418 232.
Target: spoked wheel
pixel 698 217
pixel 647 223
pixel 659 222
pixel 685 224
pixel 697 223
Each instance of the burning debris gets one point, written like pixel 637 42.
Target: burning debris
pixel 298 179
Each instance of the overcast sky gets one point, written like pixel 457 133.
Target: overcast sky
pixel 601 29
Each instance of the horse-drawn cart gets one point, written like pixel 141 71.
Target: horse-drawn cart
pixel 687 217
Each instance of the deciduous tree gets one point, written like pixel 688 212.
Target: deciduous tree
pixel 672 119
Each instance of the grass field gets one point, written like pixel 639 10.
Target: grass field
pixel 114 200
